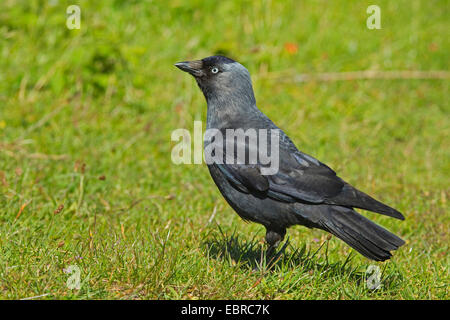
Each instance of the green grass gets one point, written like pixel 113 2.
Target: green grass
pixel 85 123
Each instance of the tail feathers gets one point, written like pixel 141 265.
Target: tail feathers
pixel 352 197
pixel 366 237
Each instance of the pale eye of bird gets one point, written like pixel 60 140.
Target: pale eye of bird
pixel 214 70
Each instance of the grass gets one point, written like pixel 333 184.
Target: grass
pixel 85 172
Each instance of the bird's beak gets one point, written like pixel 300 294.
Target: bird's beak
pixel 192 67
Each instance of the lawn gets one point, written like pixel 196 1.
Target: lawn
pixel 86 177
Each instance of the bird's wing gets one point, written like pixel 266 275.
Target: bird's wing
pixel 300 177
pixel 244 177
pixel 304 178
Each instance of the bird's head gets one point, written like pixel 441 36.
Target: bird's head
pixel 220 78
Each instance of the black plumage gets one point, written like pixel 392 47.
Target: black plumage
pixel 303 191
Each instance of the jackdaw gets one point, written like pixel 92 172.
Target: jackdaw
pixel 302 191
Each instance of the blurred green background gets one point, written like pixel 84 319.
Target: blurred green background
pixel 86 176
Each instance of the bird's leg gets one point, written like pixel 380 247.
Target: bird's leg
pixel 273 239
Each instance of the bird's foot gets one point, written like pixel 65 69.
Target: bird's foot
pixel 270 256
pixel 272 253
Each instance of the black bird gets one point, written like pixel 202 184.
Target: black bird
pixel 303 191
